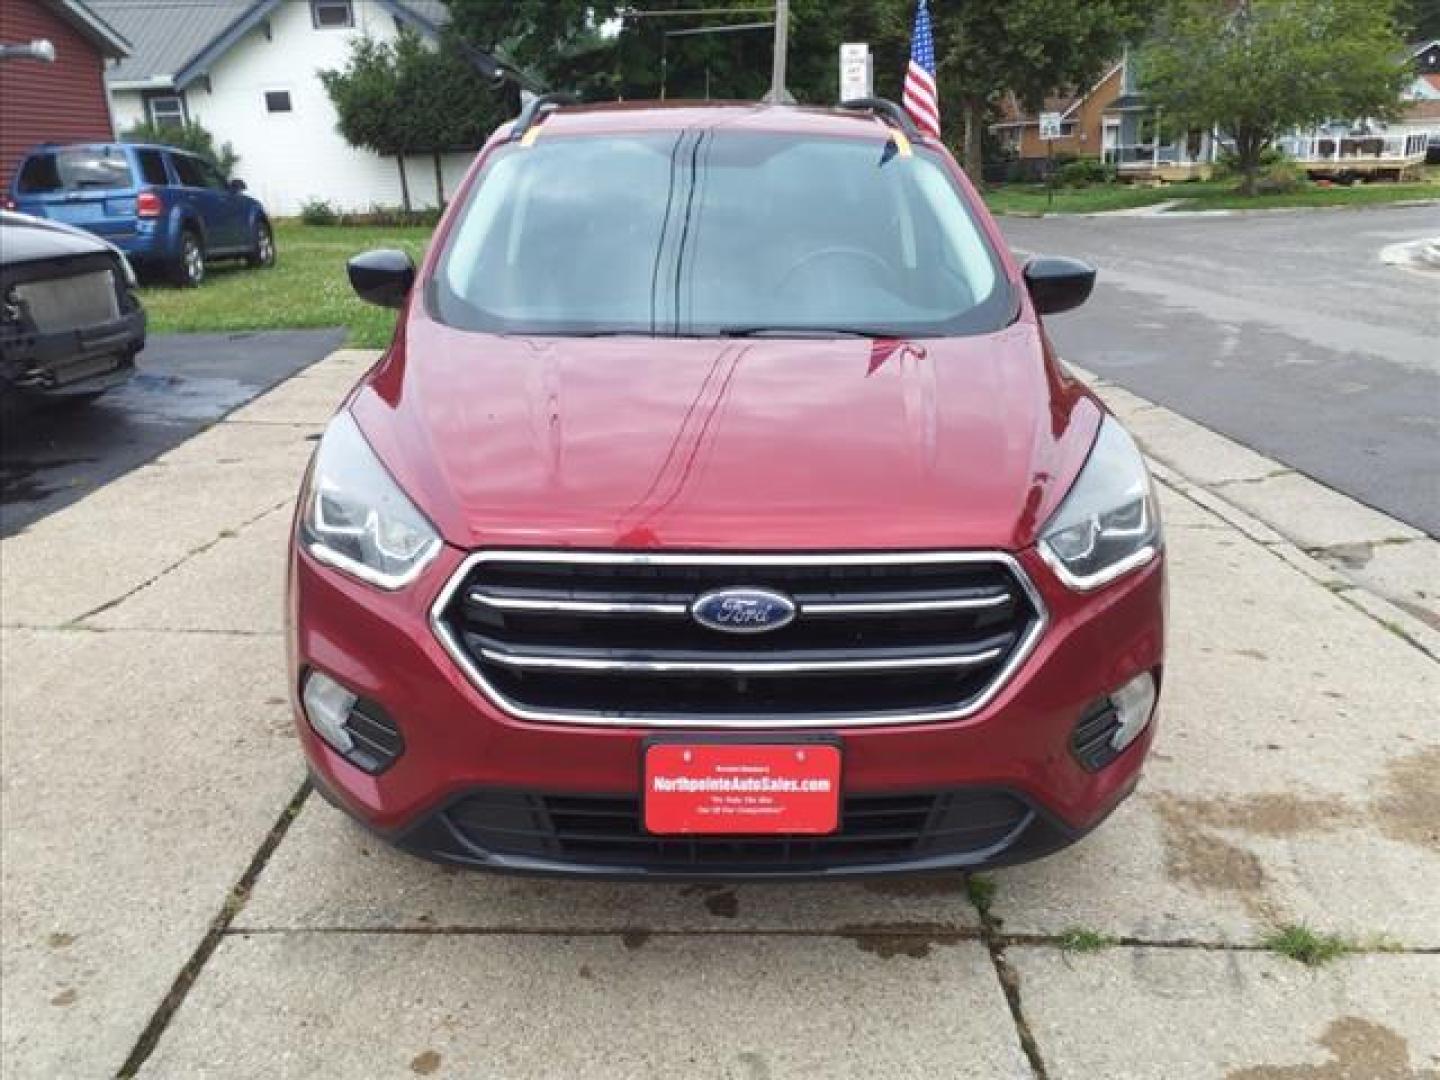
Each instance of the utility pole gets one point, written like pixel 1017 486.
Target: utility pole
pixel 778 95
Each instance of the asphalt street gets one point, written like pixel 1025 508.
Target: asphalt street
pixel 1282 330
pixel 50 457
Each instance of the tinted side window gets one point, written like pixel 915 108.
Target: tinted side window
pixel 39 175
pixel 152 167
pixel 188 170
pixel 212 176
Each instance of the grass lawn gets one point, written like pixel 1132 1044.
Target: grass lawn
pixel 1031 198
pixel 306 288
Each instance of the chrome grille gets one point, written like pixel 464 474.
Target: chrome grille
pixel 607 638
pixel 70 303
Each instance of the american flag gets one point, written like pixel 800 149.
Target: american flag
pixel 922 100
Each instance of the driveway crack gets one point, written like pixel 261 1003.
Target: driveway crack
pixel 234 902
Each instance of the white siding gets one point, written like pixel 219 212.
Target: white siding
pixel 127 107
pixel 287 158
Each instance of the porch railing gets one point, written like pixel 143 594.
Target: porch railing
pixel 1322 149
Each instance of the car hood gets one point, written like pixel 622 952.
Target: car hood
pixel 758 444
pixel 28 239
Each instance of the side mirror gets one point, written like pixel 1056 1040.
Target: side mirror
pixel 236 185
pixel 382 277
pixel 1058 284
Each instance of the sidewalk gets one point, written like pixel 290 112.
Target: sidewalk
pixel 176 902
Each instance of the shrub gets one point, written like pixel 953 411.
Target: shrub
pixel 1084 172
pixel 318 212
pixel 187 136
pixel 1227 166
pixel 1281 178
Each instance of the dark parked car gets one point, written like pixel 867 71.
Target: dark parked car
pixel 722 510
pixel 166 209
pixel 70 324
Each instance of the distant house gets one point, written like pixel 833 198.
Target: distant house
pixel 60 102
pixel 1116 123
pixel 1082 130
pixel 1112 122
pixel 247 70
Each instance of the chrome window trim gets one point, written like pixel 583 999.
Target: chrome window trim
pixel 737 722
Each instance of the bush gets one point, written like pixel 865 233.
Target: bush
pixel 1281 178
pixel 318 212
pixel 1227 166
pixel 187 136
pixel 1084 172
pixel 322 212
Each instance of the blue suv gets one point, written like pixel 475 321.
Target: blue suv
pixel 165 208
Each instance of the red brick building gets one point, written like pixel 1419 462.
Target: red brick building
pixel 61 102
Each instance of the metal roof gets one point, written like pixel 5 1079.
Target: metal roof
pixel 173 42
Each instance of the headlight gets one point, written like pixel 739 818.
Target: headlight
pixel 357 519
pixel 1109 524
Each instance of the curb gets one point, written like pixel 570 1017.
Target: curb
pixel 1172 462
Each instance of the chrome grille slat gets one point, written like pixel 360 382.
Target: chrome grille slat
pixel 573 661
pixel 607 637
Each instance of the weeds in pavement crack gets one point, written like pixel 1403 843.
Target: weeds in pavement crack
pixel 981 891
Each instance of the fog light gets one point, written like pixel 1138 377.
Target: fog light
pixel 327 706
pixel 1134 705
pixel 1111 724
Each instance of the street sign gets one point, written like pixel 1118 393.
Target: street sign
pixel 1049 125
pixel 856 71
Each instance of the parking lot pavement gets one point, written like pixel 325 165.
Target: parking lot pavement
pixel 177 904
pixel 49 457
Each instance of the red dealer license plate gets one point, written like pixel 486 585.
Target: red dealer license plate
pixel 742 788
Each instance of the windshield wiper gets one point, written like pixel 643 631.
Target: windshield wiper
pixel 809 332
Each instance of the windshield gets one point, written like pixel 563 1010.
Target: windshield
pixel 718 233
pixel 75 169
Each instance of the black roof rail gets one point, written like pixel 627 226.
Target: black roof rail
pixel 538 106
pixel 887 109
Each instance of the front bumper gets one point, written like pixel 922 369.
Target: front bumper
pixel 459 747
pixel 64 362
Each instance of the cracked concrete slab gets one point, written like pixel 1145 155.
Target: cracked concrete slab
pixel 235 586
pixel 1261 803
pixel 1408 573
pixel 1314 516
pixel 1157 1014
pixel 72 563
pixel 1209 458
pixel 142 771
pixel 608 1006
pixel 330 873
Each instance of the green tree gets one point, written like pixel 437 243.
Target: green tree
pixel 409 97
pixel 1263 67
pixel 1422 19
pixel 1031 48
pixel 187 136
pixel 987 48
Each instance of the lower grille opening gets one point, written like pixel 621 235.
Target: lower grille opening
pixel 607 831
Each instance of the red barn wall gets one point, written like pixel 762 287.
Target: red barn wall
pixel 60 102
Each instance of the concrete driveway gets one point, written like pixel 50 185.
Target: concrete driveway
pixel 176 903
pixel 49 458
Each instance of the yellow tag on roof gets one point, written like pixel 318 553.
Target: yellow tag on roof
pixel 902 142
pixel 533 133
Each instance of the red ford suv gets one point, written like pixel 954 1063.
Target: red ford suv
pixel 720 509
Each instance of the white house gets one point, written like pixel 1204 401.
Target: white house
pixel 247 70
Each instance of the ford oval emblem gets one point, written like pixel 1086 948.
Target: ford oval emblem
pixel 743 611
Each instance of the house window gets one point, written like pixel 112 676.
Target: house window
pixel 167 109
pixel 277 101
pixel 331 14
